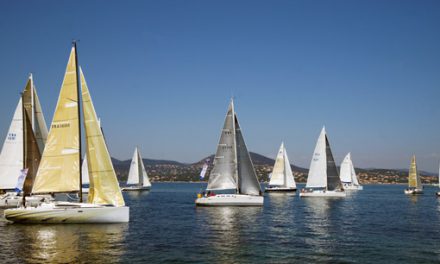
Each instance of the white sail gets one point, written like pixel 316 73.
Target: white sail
pixel 85 171
pixel 247 178
pixel 290 181
pixel 144 179
pixel 224 172
pixel 133 173
pixel 11 157
pixel 346 169
pixel 38 122
pixel 354 178
pixel 282 172
pixel 317 177
pixel 278 172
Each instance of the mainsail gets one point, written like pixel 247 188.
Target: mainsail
pixel 277 178
pixel 346 169
pixel 59 166
pixel 414 178
pixel 32 155
pixel 137 173
pixel 323 172
pixel 11 157
pixel 247 178
pixel 32 105
pixel 224 173
pixel 104 186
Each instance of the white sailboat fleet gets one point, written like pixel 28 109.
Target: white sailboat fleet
pixel 281 179
pixel 137 175
pixel 60 171
pixel 348 175
pixel 414 182
pixel 22 150
pixel 232 181
pixel 323 178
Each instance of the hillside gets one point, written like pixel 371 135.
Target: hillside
pixel 167 170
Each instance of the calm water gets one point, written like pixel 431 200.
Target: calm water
pixel 377 225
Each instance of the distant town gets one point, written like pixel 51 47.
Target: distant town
pixel 173 171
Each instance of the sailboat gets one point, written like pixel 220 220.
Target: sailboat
pixel 348 175
pixel 22 149
pixel 414 182
pixel 137 175
pixel 282 177
pixel 232 181
pixel 60 170
pixel 323 178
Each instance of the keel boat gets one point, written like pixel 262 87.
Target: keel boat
pixel 232 181
pixel 281 179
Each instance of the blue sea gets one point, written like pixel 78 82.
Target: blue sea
pixel 377 225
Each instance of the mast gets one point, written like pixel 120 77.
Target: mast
pixel 79 118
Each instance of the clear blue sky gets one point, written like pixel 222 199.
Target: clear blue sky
pixel 161 73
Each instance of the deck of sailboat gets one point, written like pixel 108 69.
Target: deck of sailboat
pixel 279 189
pixel 67 212
pixel 323 193
pixel 230 200
pixel 135 188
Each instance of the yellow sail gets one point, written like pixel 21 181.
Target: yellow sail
pixel 104 186
pixel 60 162
pixel 414 180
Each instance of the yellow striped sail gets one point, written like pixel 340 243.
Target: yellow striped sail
pixel 59 166
pixel 414 179
pixel 104 186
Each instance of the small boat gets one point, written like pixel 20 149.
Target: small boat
pixel 60 171
pixel 281 179
pixel 414 182
pixel 232 181
pixel 21 152
pixel 348 175
pixel 137 175
pixel 323 178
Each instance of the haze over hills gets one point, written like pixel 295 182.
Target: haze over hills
pixel 168 170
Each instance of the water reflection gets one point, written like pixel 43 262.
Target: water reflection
pixel 137 195
pixel 65 243
pixel 227 229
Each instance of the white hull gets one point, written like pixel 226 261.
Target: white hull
pixel 136 188
pixel 230 200
pixel 279 189
pixel 353 187
pixel 322 194
pixel 413 191
pixel 66 212
pixel 11 200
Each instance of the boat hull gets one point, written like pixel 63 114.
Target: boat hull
pixel 437 193
pixel 353 187
pixel 413 191
pixel 279 189
pixel 230 200
pixel 337 194
pixel 74 213
pixel 136 188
